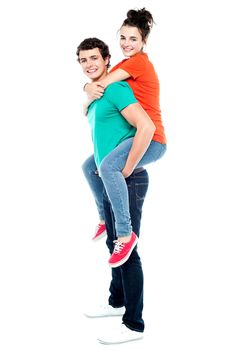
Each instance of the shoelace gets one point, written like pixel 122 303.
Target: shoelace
pixel 118 246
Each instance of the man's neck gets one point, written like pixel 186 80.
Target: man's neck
pixel 100 78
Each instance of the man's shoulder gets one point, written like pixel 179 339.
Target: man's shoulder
pixel 119 94
pixel 117 86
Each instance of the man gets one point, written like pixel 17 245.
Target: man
pixel 126 288
pixel 121 132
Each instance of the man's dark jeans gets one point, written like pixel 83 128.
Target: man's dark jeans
pixel 126 288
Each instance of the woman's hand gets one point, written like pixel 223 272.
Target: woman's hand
pixel 94 90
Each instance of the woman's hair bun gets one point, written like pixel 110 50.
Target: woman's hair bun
pixel 140 17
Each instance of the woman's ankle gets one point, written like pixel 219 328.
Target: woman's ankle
pixel 125 239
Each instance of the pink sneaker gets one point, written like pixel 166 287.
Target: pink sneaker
pixel 122 251
pixel 100 232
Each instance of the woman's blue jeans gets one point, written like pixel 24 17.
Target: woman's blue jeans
pixel 126 288
pixel 113 181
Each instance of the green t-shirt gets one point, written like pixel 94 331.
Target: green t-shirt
pixel 109 128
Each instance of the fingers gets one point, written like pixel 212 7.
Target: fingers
pixel 98 91
pixel 94 90
pixel 100 85
pixel 98 94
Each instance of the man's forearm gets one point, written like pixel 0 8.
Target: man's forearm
pixel 140 145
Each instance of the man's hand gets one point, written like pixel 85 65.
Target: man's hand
pixel 127 172
pixel 94 90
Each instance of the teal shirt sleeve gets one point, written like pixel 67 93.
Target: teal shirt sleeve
pixel 120 95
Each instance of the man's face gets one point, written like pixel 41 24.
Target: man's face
pixel 93 64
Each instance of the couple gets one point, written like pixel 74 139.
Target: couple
pixel 126 137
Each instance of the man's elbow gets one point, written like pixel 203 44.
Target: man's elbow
pixel 150 128
pixel 147 132
pixel 153 128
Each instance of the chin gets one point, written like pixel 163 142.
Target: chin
pixel 128 54
pixel 94 77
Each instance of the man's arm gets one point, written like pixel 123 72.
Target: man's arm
pixel 136 116
pixel 85 106
pixel 95 90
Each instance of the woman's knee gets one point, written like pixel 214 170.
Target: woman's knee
pixel 89 165
pixel 103 168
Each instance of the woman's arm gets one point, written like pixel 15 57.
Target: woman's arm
pixel 116 75
pixel 136 116
pixel 95 90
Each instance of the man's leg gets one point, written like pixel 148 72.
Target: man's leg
pixel 126 286
pixel 132 273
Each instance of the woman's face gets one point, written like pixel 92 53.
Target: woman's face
pixel 130 41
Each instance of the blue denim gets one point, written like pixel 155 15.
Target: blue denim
pixel 110 171
pixel 126 287
pixel 95 183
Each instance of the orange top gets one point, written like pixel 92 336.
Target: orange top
pixel 145 85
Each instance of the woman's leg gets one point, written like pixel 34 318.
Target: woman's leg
pixel 95 183
pixel 115 184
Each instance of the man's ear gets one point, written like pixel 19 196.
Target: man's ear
pixel 107 60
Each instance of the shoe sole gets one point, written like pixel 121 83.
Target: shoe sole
pixel 118 342
pixel 118 312
pixel 101 316
pixel 99 237
pixel 121 262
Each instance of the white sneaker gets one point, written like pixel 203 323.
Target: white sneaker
pixel 122 334
pixel 105 311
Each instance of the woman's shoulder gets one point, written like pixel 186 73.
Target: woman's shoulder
pixel 140 57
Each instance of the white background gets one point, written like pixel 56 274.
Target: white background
pixel 49 267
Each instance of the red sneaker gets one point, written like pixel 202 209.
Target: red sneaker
pixel 122 251
pixel 100 232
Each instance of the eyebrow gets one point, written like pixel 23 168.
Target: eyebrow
pixel 131 37
pixel 84 58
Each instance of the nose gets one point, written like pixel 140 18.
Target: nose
pixel 88 64
pixel 127 42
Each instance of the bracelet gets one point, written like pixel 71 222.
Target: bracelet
pixel 84 86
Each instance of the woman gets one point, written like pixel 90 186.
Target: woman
pixel 139 73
